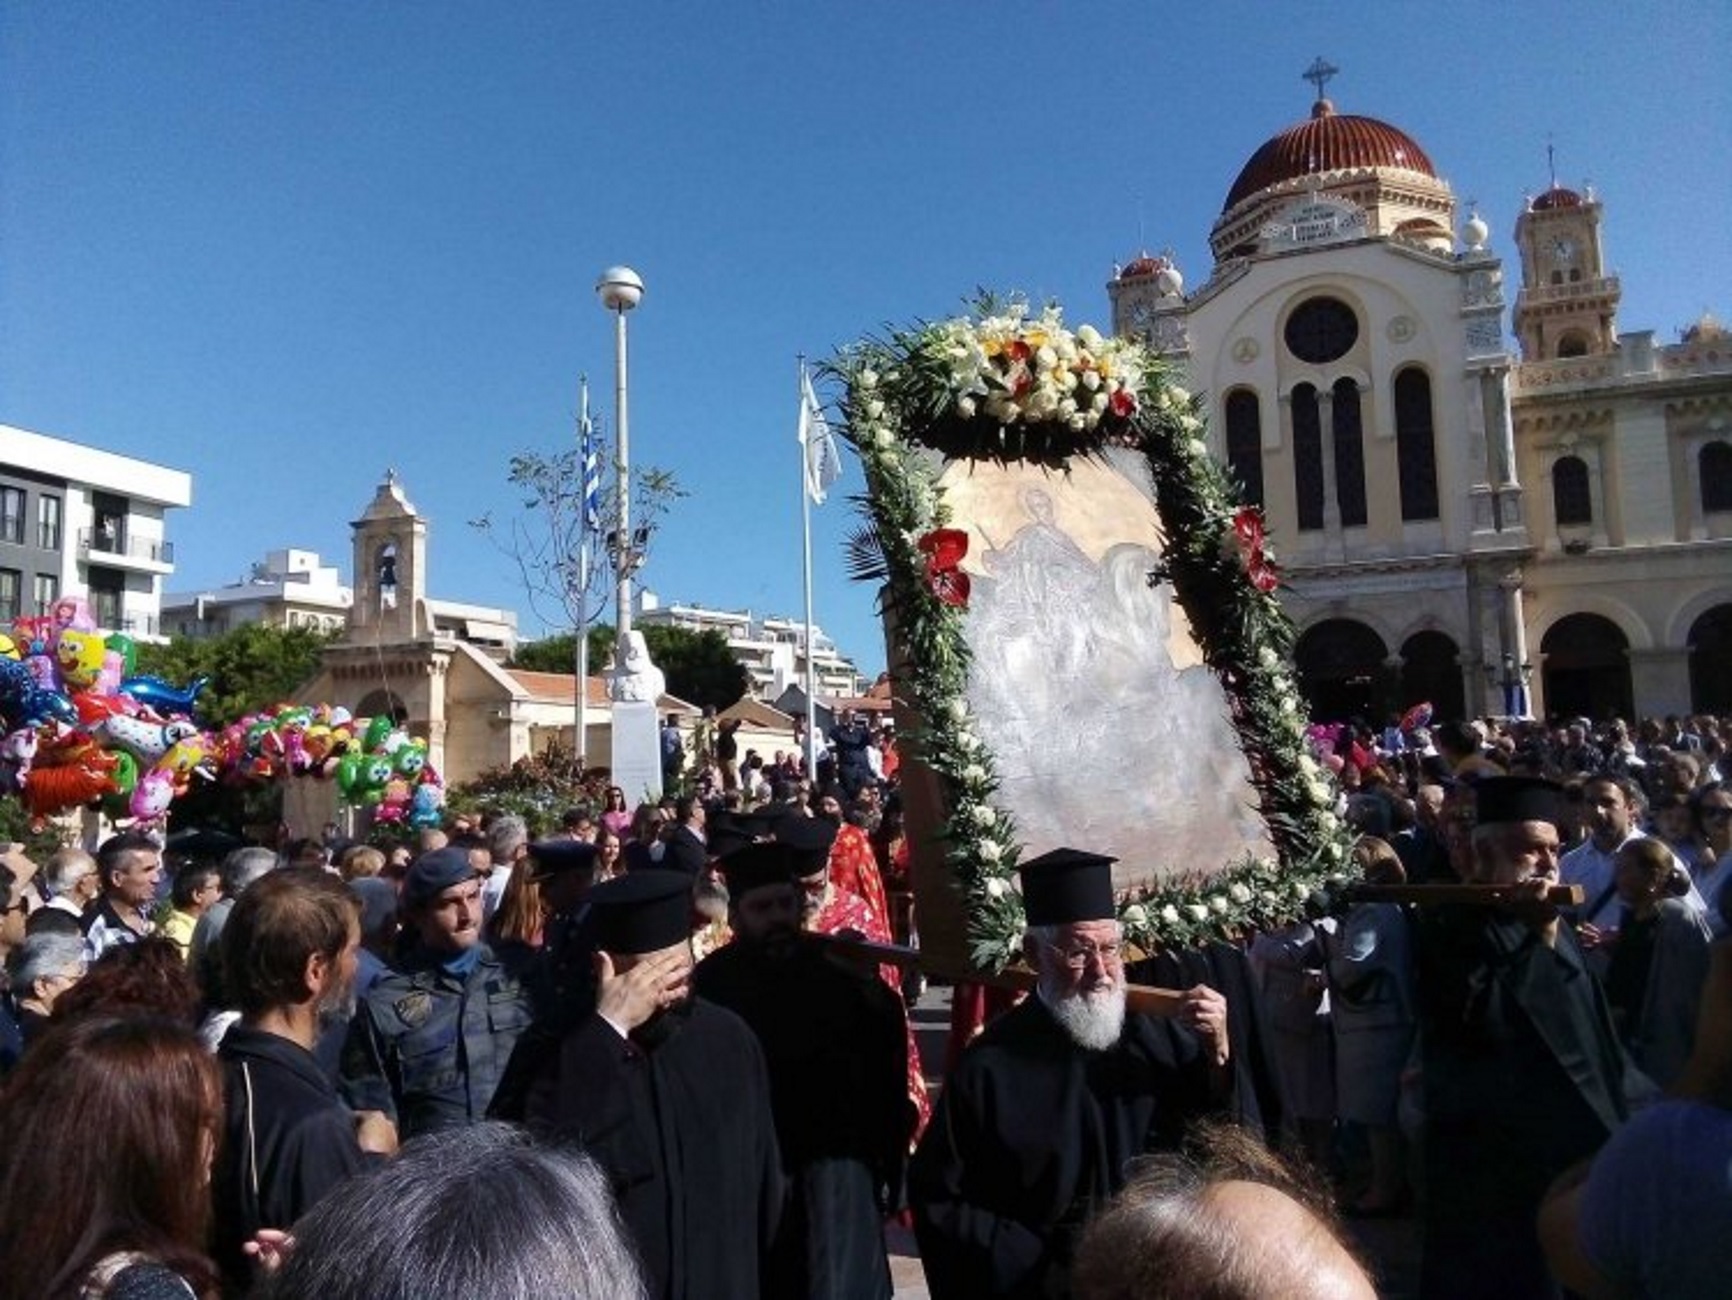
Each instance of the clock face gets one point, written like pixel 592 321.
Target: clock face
pixel 1565 249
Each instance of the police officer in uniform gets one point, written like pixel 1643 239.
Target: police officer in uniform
pixel 428 1045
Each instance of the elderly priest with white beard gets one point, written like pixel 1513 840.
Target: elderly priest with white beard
pixel 1048 1107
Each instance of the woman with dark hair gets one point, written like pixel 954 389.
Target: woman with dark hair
pixel 108 1197
pixel 609 854
pixel 615 815
pixel 146 978
pixel 478 1212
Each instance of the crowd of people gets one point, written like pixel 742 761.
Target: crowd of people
pixel 665 1050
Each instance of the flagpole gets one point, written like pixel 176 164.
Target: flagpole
pixel 806 536
pixel 585 437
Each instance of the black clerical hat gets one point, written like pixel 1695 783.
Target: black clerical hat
pixel 810 838
pixel 1068 885
pixel 641 911
pixel 1503 799
pixel 755 865
pixel 550 857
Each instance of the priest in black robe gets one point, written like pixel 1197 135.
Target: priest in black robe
pixel 833 1037
pixel 1523 1074
pixel 669 1094
pixel 1042 1117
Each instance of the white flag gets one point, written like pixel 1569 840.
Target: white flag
pixel 823 461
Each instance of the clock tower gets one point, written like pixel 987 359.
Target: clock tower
pixel 1568 305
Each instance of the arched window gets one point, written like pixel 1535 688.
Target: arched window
pixel 1245 442
pixel 1572 498
pixel 1349 454
pixel 1307 458
pixel 1573 345
pixel 1415 450
pixel 1715 464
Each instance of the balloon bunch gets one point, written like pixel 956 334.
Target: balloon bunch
pixel 79 727
pixel 375 763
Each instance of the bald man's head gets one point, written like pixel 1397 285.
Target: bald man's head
pixel 1227 1221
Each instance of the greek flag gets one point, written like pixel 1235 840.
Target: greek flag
pixel 823 461
pixel 589 451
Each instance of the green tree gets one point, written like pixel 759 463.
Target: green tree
pixel 699 665
pixel 250 668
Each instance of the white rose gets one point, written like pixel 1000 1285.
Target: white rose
pixel 1268 658
pixel 995 888
pixel 984 816
pixel 1077 423
pixel 1289 707
pixel 965 407
pixel 1270 901
pixel 1170 914
pixel 874 409
pixel 988 851
pixel 1318 791
pixel 1197 448
pixel 1196 911
pixel 1219 903
pixel 1100 400
pixel 1328 821
pixel 1239 894
pixel 1045 358
pixel 1179 396
pixel 974 772
pixel 1089 337
pixel 958 709
pixel 866 379
pixel 1066 409
pixel 1134 915
pixel 966 742
pixel 1301 889
pixel 1091 379
pixel 883 439
pixel 1190 423
pixel 1307 764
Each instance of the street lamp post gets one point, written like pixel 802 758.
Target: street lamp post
pixel 621 289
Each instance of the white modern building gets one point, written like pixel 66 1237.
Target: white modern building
pixel 77 521
pixel 772 650
pixel 293 588
pixel 1480 503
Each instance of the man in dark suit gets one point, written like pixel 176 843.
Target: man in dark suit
pixel 1042 1118
pixel 1523 1074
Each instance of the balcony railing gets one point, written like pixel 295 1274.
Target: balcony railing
pixel 93 541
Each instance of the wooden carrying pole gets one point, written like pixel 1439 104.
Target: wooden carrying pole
pixel 1140 998
pixel 1461 895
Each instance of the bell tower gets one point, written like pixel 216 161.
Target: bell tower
pixel 390 559
pixel 1568 304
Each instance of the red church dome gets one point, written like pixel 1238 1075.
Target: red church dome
pixel 1327 142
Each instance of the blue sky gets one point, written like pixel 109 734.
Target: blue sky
pixel 284 246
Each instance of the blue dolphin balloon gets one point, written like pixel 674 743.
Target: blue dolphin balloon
pixel 166 699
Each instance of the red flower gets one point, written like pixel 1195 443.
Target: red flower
pixel 1261 572
pixel 944 549
pixel 1017 350
pixel 1123 404
pixel 1248 528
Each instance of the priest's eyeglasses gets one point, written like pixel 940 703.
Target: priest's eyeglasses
pixel 1077 956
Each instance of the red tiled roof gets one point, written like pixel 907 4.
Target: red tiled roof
pixel 1327 142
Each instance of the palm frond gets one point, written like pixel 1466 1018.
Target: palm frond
pixel 864 552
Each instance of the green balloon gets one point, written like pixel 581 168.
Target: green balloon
pixel 127 649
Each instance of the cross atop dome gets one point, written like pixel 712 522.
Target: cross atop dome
pixel 1318 74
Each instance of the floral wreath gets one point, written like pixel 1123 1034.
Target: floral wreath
pixel 1003 386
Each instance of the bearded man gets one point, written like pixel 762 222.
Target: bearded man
pixel 668 1093
pixel 835 1042
pixel 289 951
pixel 1038 1123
